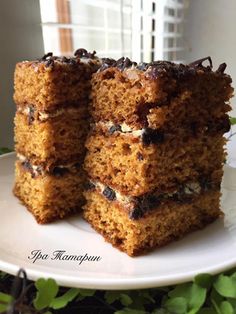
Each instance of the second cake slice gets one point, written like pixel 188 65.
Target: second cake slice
pixel 51 124
pixel 156 151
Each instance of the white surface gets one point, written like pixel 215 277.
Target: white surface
pixel 210 31
pixel 210 250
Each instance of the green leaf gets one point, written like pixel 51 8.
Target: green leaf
pixel 216 299
pixel 232 120
pixel 47 290
pixel 130 311
pixel 207 310
pixel 3 308
pixel 226 286
pixel 226 308
pixel 197 297
pixel 112 296
pixel 204 280
pixel 5 301
pixel 83 293
pixel 4 150
pixel 146 294
pixel 2 275
pixel 63 300
pixel 125 299
pixel 160 311
pixel 86 292
pixel 193 294
pixel 232 302
pixel 177 305
pixel 5 298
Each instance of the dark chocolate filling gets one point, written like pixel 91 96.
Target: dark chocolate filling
pixel 154 136
pixel 58 171
pixel 151 136
pixel 89 186
pixel 53 171
pixel 109 194
pixel 147 202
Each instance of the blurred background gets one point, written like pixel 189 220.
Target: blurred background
pixel 143 30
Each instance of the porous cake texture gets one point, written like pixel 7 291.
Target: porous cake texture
pixel 155 150
pixel 51 124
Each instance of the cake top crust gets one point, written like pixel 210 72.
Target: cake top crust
pixel 157 69
pixel 81 56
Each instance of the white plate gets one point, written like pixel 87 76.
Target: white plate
pixel 211 250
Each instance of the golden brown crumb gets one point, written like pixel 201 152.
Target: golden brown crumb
pixel 170 221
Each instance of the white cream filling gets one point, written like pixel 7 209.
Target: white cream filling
pixel 189 189
pixel 38 169
pixel 43 116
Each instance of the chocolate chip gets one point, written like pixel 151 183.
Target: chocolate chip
pixel 59 172
pixel 114 128
pixel 151 136
pixel 143 205
pixel 47 55
pixel 27 165
pixel 198 63
pixel 65 59
pixel 142 66
pixel 124 63
pixel 89 185
pixel 107 63
pixel 136 213
pixel 121 63
pixel 207 184
pixel 72 61
pixel 77 165
pixel 139 156
pixel 83 53
pixel 49 63
pixel 221 68
pixel 109 194
pixel 31 114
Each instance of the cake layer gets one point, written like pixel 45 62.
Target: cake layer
pixel 51 138
pixel 52 81
pixel 159 94
pixel 138 206
pixel 49 195
pixel 170 221
pixel 134 167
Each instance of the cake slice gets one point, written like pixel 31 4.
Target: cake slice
pixel 137 226
pixel 51 124
pixel 155 151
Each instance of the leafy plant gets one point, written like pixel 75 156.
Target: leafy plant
pixel 232 120
pixel 207 294
pixel 4 150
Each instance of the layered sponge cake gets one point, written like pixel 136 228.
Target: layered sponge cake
pixel 155 150
pixel 51 124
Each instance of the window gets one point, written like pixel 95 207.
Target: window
pixel 141 30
